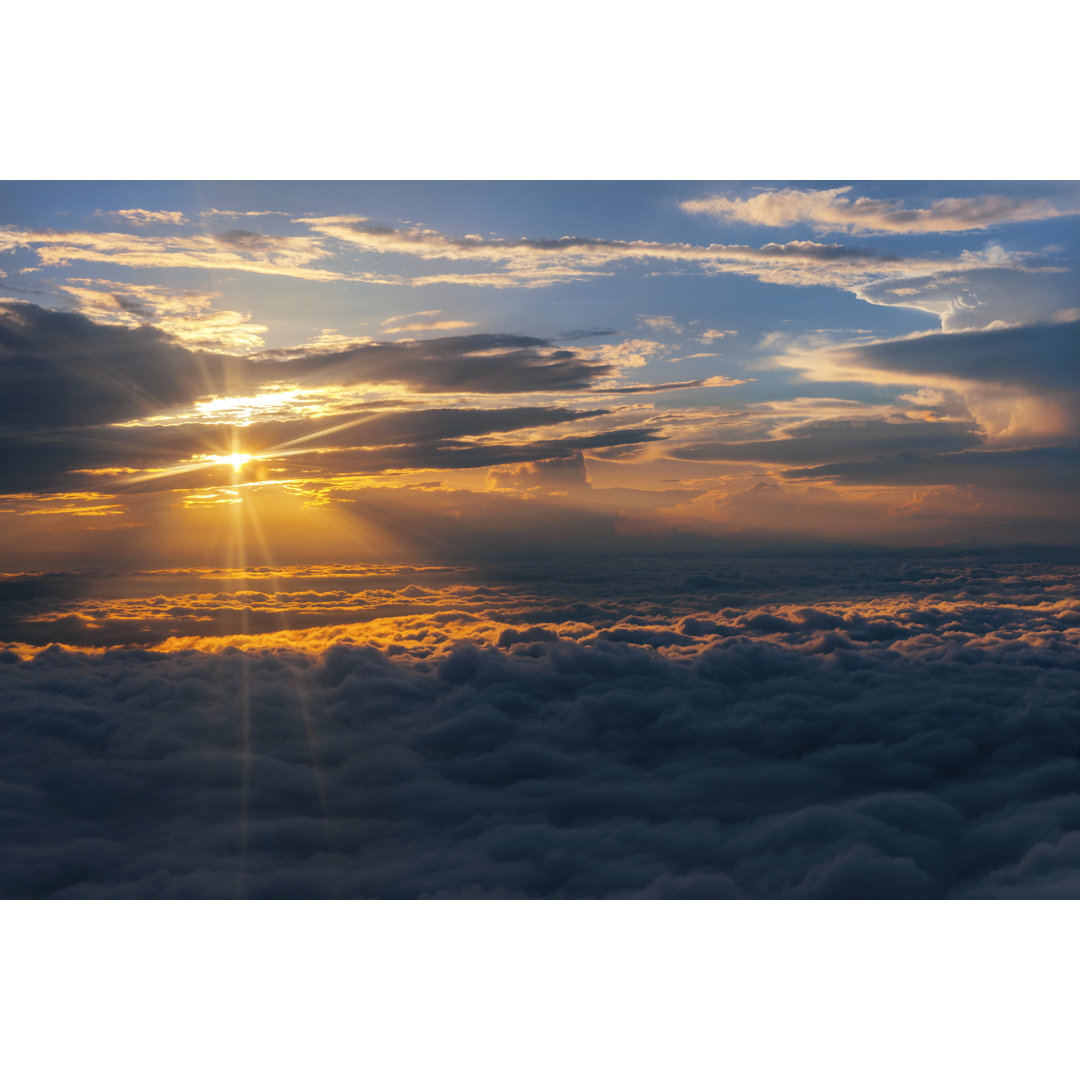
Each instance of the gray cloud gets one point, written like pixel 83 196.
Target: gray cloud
pixel 64 379
pixel 449 454
pixel 477 363
pixel 63 370
pixel 59 369
pixel 609 746
pixel 1041 356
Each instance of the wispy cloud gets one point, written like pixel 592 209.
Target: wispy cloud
pixel 660 322
pixel 238 249
pixel 145 217
pixel 396 325
pixel 533 262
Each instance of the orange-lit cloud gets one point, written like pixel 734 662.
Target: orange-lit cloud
pixel 187 316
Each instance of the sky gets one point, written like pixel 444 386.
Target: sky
pixel 426 369
pixel 575 540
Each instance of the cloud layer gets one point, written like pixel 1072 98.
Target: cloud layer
pixel 613 731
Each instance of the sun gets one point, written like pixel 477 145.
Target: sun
pixel 237 461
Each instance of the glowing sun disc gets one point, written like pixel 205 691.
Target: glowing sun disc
pixel 235 460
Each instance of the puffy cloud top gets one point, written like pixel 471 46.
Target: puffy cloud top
pixel 603 730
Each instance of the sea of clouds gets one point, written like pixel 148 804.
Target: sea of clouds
pixel 837 726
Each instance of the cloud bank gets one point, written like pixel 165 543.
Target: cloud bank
pixel 618 732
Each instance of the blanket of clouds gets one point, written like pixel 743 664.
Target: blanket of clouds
pixel 684 726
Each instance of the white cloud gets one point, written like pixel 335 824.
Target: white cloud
pixel 831 210
pixel 659 322
pixel 146 217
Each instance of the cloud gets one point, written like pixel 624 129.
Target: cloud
pixel 244 213
pixel 558 474
pixel 65 379
pixel 464 454
pixel 146 217
pixel 187 316
pixel 1038 356
pixel 476 363
pixel 657 388
pixel 830 210
pixel 1047 468
pixel 660 322
pixel 619 732
pixel 1017 382
pixel 535 262
pixel 61 370
pixel 411 315
pixel 237 249
pixel 816 441
pixel 715 335
pixel 632 353
pixel 978 299
pixel 444 324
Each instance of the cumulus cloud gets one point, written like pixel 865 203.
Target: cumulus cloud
pixel 834 210
pixel 632 353
pixel 620 732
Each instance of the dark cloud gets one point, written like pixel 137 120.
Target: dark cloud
pixel 386 428
pixel 1041 356
pixel 60 370
pixel 43 460
pixel 589 332
pixel 919 744
pixel 65 380
pixel 462 455
pixel 559 474
pixel 478 363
